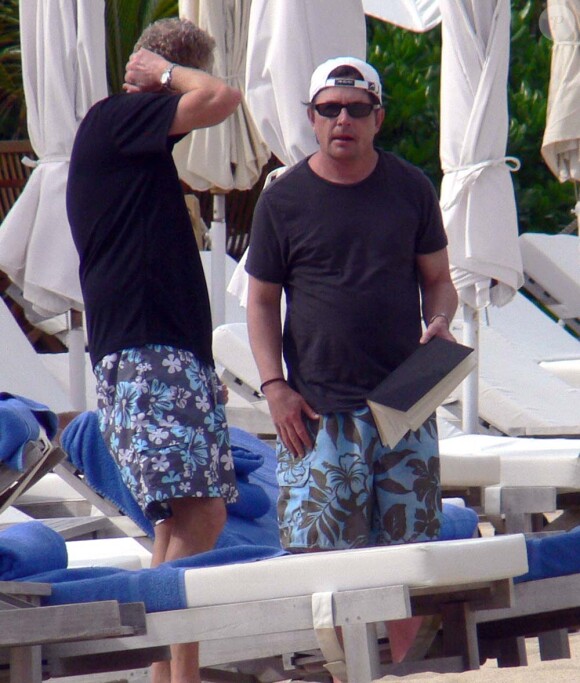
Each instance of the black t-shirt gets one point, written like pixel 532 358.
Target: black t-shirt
pixel 346 256
pixel 140 269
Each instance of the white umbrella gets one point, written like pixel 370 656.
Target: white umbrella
pixel 287 40
pixel 63 66
pixel 232 154
pixel 477 196
pixel 561 143
pixel 415 15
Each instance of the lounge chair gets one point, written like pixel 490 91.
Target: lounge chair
pixel 552 273
pixel 251 615
pixel 544 341
pixel 264 609
pixel 532 476
pixel 26 450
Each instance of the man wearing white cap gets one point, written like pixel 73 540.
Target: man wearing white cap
pixel 354 237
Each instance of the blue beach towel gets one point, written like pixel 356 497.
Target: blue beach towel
pixel 84 445
pixel 555 555
pixel 28 548
pixel 20 421
pixel 87 451
pixel 160 589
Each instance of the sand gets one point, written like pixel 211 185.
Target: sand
pixel 537 671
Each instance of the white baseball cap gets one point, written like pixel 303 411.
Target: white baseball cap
pixel 321 79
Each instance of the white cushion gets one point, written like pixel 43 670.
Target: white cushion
pixel 50 488
pixel 124 553
pixel 518 397
pixel 553 261
pixel 523 461
pixel 442 563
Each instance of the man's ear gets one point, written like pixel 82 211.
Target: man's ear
pixel 310 114
pixel 380 113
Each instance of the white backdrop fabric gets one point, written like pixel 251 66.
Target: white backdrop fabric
pixel 232 154
pixel 477 197
pixel 63 67
pixel 287 40
pixel 561 143
pixel 415 15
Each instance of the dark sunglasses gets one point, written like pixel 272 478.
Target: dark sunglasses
pixel 356 110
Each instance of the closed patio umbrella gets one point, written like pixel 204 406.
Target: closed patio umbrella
pixel 63 66
pixel 415 15
pixel 231 155
pixel 287 40
pixel 477 197
pixel 561 143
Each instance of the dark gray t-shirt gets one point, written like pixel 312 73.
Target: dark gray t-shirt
pixel 346 257
pixel 140 270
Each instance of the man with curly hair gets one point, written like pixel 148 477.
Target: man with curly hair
pixel 160 404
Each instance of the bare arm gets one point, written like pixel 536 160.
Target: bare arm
pixel 206 100
pixel 438 294
pixel 265 331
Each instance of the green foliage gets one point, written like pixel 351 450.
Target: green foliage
pixel 12 105
pixel 409 65
pixel 125 20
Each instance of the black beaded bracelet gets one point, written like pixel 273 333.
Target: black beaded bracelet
pixel 270 381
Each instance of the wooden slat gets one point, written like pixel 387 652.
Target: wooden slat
pixel 64 623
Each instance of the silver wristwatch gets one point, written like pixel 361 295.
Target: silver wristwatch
pixel 166 77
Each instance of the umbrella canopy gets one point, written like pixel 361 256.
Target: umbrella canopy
pixel 477 195
pixel 287 40
pixel 415 15
pixel 561 143
pixel 63 66
pixel 231 155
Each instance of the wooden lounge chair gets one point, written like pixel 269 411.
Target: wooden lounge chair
pixel 262 610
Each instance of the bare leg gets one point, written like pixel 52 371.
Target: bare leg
pixel 194 528
pixel 402 634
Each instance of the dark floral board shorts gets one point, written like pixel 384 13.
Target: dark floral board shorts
pixel 350 491
pixel 162 415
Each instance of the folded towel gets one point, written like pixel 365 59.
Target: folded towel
pixel 83 442
pixel 252 503
pixel 458 522
pixel 86 449
pixel 20 422
pixel 30 547
pixel 160 589
pixel 557 554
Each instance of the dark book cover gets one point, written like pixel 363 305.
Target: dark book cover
pixel 414 390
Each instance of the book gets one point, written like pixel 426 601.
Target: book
pixel 413 391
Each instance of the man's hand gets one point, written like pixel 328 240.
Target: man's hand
pixel 143 72
pixel 287 408
pixel 438 327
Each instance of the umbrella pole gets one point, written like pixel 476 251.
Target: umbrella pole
pixel 76 361
pixel 470 415
pixel 218 260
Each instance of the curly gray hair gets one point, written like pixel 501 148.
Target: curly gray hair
pixel 179 41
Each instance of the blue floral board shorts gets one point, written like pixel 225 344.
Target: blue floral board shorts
pixel 162 416
pixel 350 491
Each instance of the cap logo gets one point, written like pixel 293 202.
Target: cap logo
pixel 344 81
